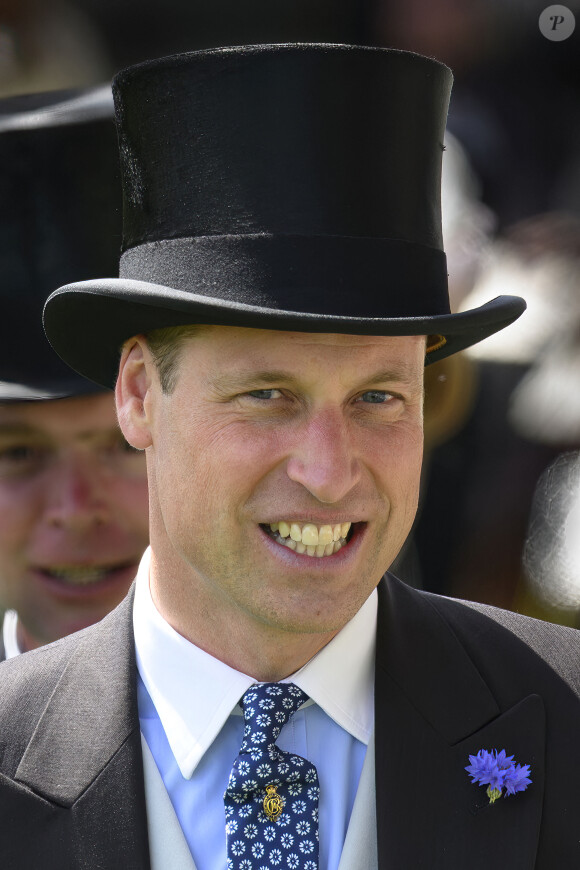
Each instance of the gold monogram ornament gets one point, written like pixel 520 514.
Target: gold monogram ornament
pixel 273 804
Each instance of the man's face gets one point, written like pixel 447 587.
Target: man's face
pixel 73 514
pixel 317 434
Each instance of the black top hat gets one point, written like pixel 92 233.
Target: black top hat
pixel 60 220
pixel 291 187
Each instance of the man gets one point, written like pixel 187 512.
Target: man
pixel 73 494
pixel 281 285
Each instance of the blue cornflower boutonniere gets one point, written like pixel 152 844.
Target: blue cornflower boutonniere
pixel 498 771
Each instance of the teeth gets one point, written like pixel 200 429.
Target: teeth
pixel 309 534
pixel 78 576
pixel 296 533
pixel 309 539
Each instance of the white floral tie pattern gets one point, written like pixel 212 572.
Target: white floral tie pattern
pixel 254 840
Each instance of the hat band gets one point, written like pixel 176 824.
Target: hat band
pixel 343 276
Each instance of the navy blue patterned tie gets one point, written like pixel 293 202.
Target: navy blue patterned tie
pixel 271 801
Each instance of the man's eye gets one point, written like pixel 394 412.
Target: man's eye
pixel 376 397
pixel 21 459
pixel 264 395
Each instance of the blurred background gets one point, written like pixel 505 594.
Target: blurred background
pixel 500 515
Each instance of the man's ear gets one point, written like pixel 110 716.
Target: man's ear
pixel 133 392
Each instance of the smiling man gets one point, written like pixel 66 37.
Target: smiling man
pixel 73 493
pixel 266 696
pixel 308 445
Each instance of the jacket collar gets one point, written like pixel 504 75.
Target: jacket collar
pixel 423 657
pixel 434 709
pixel 90 715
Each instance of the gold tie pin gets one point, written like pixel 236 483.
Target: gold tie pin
pixel 273 804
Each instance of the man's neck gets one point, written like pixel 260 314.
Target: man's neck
pixel 253 648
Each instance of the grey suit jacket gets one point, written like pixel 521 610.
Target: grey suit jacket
pixel 450 679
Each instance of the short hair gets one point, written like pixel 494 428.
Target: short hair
pixel 165 345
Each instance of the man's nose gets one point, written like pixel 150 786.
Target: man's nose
pixel 324 460
pixel 76 496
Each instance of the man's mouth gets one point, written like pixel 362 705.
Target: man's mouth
pixel 309 539
pixel 83 575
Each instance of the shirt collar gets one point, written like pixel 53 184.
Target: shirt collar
pixel 194 693
pixel 10 634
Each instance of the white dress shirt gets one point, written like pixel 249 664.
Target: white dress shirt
pixel 9 634
pixel 191 720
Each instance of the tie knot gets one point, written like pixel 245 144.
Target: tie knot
pixel 267 707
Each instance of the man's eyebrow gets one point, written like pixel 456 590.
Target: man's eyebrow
pixel 27 430
pixel 243 380
pixel 233 382
pixel 17 429
pixel 397 373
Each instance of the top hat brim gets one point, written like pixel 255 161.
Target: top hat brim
pixel 48 389
pixel 87 322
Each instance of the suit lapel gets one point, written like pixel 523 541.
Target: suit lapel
pixel 85 753
pixel 433 709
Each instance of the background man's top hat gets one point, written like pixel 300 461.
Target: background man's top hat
pixel 60 221
pixel 291 187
